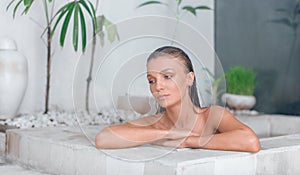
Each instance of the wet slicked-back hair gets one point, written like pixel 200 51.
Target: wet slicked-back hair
pixel 179 54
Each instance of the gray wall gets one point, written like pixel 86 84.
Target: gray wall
pixel 246 35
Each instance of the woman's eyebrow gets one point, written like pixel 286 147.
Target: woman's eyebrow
pixel 167 70
pixel 161 72
pixel 149 75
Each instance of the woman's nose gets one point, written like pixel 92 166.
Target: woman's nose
pixel 159 85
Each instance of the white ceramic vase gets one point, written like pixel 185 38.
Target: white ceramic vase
pixel 238 102
pixel 13 78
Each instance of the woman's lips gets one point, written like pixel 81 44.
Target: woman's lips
pixel 162 97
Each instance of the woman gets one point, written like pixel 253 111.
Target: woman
pixel 181 122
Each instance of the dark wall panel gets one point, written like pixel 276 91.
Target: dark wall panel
pixel 248 34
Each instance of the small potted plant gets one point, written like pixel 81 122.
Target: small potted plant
pixel 240 82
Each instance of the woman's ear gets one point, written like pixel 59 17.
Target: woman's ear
pixel 190 78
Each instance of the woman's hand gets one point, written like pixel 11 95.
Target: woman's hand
pixel 175 143
pixel 174 134
pixel 176 138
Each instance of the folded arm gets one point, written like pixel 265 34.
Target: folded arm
pixel 127 135
pixel 232 135
pixel 237 140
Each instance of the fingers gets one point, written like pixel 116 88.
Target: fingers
pixel 178 143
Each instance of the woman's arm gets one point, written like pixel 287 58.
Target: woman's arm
pixel 127 135
pixel 237 140
pixel 135 133
pixel 233 135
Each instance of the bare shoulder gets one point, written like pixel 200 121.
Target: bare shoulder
pixel 215 116
pixel 216 111
pixel 226 120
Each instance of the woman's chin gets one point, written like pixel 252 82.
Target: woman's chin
pixel 163 104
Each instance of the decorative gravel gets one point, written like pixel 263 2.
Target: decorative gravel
pixel 62 118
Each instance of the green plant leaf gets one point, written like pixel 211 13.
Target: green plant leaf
pixel 90 10
pixel 8 6
pixel 83 30
pixel 209 72
pixel 27 3
pixel 149 3
pixel 281 10
pixel 25 11
pixel 99 29
pixel 193 9
pixel 27 6
pixel 285 21
pixel 284 11
pixel 102 36
pixel 16 8
pixel 297 7
pixel 65 24
pixel 190 9
pixel 202 7
pixel 298 12
pixel 179 2
pixel 75 27
pixel 65 14
pixel 109 27
pixel 61 12
pixel 93 17
pixel 111 30
pixel 100 21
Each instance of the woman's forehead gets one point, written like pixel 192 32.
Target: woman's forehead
pixel 164 63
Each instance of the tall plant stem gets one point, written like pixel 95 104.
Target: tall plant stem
pixel 48 69
pixel 49 41
pixel 89 78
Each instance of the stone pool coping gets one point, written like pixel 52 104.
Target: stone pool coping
pixel 66 150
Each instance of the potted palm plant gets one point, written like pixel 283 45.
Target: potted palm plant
pixel 79 11
pixel 240 83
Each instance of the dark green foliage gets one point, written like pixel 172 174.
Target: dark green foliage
pixel 76 10
pixel 187 8
pixel 73 9
pixel 240 80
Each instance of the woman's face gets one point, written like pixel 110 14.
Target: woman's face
pixel 168 80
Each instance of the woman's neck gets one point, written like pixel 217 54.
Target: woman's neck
pixel 182 115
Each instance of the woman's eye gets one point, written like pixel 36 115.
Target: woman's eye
pixel 168 76
pixel 151 81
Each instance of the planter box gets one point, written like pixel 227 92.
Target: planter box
pixel 3 129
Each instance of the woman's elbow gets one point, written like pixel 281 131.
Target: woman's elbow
pixel 98 141
pixel 253 143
